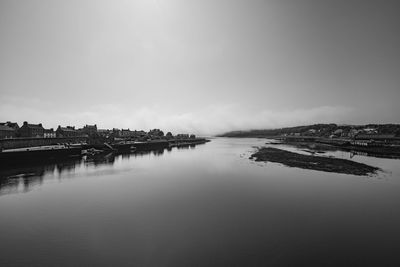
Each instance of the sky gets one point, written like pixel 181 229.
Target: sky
pixel 202 67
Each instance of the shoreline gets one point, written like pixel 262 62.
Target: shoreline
pixel 323 144
pixel 49 152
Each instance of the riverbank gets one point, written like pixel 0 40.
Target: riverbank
pixel 317 163
pixel 316 146
pixel 45 153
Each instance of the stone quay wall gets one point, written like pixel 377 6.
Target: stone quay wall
pixel 30 142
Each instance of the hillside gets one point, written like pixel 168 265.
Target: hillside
pixel 322 130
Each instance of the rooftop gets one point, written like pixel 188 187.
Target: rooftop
pixel 29 125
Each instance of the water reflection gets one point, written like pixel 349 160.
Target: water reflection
pixel 318 148
pixel 207 207
pixel 23 177
pixel 100 159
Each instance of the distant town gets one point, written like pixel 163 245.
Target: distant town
pixel 369 131
pixel 9 130
pixel 33 141
pixel 374 139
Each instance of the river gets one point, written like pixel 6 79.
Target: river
pixel 208 205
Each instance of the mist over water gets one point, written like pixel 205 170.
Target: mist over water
pixel 207 205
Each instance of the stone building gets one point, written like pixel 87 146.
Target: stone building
pixel 68 131
pixel 90 129
pixel 31 130
pixel 182 136
pixel 49 133
pixel 127 133
pixel 104 132
pixel 13 125
pixel 7 132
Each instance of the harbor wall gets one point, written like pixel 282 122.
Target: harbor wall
pixel 30 142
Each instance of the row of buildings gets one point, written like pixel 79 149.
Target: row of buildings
pixel 27 130
pixel 346 132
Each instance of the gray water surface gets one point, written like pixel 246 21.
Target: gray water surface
pixel 207 205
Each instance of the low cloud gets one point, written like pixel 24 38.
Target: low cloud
pixel 215 120
pixel 207 121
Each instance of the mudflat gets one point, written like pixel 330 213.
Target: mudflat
pixel 318 163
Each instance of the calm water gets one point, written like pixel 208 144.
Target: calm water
pixel 203 206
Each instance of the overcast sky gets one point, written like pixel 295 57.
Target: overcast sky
pixel 199 66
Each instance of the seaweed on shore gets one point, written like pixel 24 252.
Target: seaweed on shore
pixel 318 163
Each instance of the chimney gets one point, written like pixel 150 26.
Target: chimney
pixel 25 123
